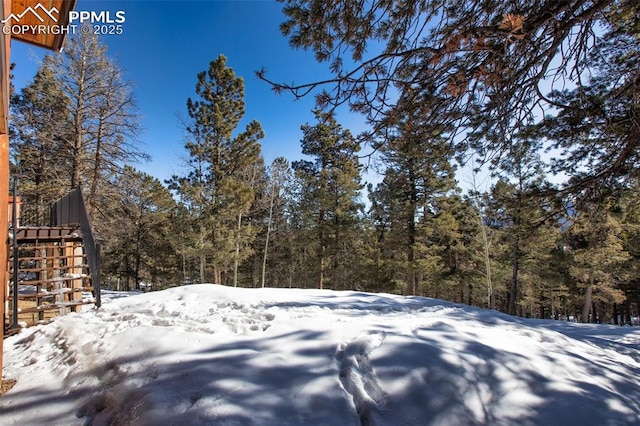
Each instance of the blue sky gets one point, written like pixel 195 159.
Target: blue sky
pixel 166 43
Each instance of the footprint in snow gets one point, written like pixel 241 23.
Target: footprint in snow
pixel 358 377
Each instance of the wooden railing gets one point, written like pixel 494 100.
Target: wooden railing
pixel 51 275
pixel 71 210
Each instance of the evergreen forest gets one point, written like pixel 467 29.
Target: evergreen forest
pixel 555 233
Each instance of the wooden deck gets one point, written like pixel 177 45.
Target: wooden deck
pixel 33 234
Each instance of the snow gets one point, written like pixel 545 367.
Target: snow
pixel 208 354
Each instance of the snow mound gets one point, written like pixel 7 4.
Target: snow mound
pixel 208 354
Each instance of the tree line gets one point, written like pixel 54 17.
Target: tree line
pixel 523 246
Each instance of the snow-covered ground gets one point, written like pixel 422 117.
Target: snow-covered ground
pixel 207 354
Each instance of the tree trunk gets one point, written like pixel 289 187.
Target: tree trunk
pixel 137 257
pixel 78 120
pixel 203 258
pixel 264 257
pixel 97 164
pixel 184 262
pixel 586 307
pixel 321 263
pixel 336 249
pixel 75 161
pixel 487 262
pixel 266 239
pixel 323 250
pixel 627 313
pixel 411 272
pixel 237 252
pixel 515 266
pixel 411 236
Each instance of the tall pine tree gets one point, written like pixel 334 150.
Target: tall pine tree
pixel 215 189
pixel 330 190
pixel 418 171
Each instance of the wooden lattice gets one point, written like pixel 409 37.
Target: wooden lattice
pixel 53 274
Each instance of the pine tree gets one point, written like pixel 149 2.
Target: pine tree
pixel 138 248
pixel 525 228
pixel 629 283
pixel 330 188
pixel 38 151
pixel 419 170
pixel 297 247
pixel 541 280
pixel 215 190
pixel 517 196
pixel 598 255
pixel 453 227
pixel 388 212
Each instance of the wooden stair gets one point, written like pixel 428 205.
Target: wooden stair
pixel 54 269
pixel 54 277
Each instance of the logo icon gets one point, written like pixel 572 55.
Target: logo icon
pixel 34 12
